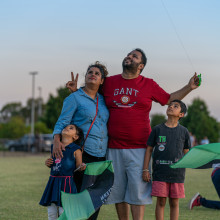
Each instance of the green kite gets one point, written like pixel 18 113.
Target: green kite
pixel 96 187
pixel 200 157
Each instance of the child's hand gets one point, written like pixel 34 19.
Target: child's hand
pixel 82 166
pixel 49 162
pixel 146 175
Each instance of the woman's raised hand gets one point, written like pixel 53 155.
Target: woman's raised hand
pixel 72 85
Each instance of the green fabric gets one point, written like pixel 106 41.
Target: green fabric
pixel 97 181
pixel 77 206
pixel 199 155
pixel 97 168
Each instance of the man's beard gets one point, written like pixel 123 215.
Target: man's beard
pixel 132 67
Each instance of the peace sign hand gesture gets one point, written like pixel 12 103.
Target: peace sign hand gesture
pixel 72 85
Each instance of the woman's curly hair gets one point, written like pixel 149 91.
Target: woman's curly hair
pixel 101 67
pixel 103 71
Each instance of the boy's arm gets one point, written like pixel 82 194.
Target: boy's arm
pixel 187 144
pixel 146 173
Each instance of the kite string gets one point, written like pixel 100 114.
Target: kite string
pixel 178 36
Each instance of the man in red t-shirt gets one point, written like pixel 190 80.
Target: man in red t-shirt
pixel 129 97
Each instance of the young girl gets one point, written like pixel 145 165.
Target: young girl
pixel 61 175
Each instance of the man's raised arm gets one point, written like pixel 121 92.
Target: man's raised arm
pixel 180 94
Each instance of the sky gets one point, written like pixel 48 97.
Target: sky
pixel 55 37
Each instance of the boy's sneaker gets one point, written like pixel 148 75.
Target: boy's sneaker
pixel 195 201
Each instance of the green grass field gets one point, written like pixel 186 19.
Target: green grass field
pixel 23 179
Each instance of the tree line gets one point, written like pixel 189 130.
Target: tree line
pixel 15 118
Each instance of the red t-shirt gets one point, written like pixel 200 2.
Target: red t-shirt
pixel 129 102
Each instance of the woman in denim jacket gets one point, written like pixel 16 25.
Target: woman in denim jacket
pixel 79 108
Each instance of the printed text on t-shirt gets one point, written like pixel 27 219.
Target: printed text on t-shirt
pixel 127 91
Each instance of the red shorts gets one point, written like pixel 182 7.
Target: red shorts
pixel 171 190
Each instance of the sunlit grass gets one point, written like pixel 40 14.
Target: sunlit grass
pixel 23 179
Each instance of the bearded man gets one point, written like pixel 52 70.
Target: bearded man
pixel 129 97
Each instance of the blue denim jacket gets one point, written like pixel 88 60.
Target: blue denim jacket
pixel 80 109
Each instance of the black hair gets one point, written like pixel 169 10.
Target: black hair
pixel 182 105
pixel 101 67
pixel 143 56
pixel 103 71
pixel 80 133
